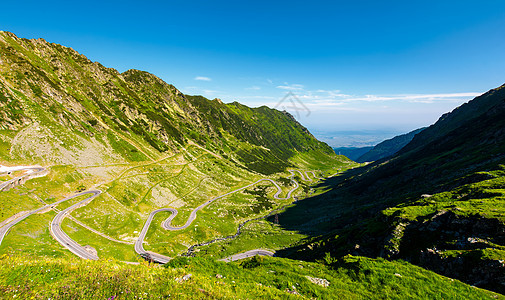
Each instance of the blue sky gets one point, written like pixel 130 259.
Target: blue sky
pixel 356 65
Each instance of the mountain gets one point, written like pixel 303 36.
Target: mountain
pixel 167 172
pixel 382 150
pixel 352 152
pixel 439 202
pixel 388 147
pixel 464 141
pixel 145 145
pixel 66 94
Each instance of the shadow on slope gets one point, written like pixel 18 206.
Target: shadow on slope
pixel 330 215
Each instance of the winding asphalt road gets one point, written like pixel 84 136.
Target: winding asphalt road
pixel 192 216
pixel 55 226
pixel 74 247
pixel 139 248
pixel 31 172
pixel 60 236
pixel 313 174
pixel 166 224
pixel 301 175
pixel 247 254
pixel 5 229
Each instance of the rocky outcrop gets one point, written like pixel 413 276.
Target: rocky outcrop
pixel 453 245
pixel 470 268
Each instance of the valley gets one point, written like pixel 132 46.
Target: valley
pixel 61 225
pixel 117 184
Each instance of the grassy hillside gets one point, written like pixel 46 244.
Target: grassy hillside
pixel 145 145
pixel 434 162
pixel 256 278
pixel 79 110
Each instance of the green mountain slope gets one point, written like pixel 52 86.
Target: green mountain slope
pixel 473 141
pixel 134 112
pixel 255 278
pixel 145 145
pixel 388 147
pixel 476 110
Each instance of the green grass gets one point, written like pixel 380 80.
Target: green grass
pixel 220 218
pixel 61 181
pixel 105 248
pixel 16 201
pixel 484 198
pixel 264 233
pixel 32 237
pixel 124 220
pixel 256 278
pixel 254 235
pixel 109 124
pixel 133 190
pixel 146 118
pixel 5 143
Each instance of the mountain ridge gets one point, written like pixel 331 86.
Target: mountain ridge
pixel 47 81
pixel 142 145
pixel 388 147
pixel 352 152
pixel 148 146
pixel 462 114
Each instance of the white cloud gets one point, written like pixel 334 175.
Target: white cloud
pixel 418 98
pixel 333 92
pixel 262 97
pixel 326 108
pixel 334 100
pixel 211 92
pixel 290 87
pixel 254 88
pixel 202 78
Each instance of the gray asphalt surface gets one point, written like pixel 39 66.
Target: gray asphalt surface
pixel 34 171
pixel 62 237
pixel 139 248
pixel 192 216
pixel 313 174
pixel 247 254
pixel 303 175
pixel 55 226
pixel 5 229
